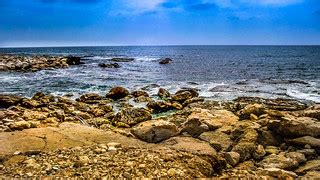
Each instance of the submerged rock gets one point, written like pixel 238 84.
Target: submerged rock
pixel 155 130
pixel 110 65
pixel 122 59
pixel 117 93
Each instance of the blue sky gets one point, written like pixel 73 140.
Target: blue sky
pixel 158 22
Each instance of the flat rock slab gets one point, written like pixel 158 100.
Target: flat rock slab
pixel 66 135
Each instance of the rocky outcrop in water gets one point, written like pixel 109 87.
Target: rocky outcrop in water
pixel 122 59
pixel 165 61
pixel 110 65
pixel 35 63
pixel 245 138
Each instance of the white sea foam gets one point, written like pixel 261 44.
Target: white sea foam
pixel 304 96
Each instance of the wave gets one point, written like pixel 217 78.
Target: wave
pixel 303 96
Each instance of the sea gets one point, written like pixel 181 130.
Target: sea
pixel 217 72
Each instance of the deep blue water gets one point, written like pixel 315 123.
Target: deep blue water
pixel 218 72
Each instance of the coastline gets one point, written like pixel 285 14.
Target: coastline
pixel 246 137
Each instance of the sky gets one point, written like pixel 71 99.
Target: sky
pixel 34 23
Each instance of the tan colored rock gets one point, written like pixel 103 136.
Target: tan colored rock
pixel 194 127
pixel 20 125
pixel 256 109
pixel 214 119
pixel 291 126
pixel 277 173
pixel 232 158
pixel 155 130
pixel 313 165
pixel 34 115
pixel 189 144
pixel 219 140
pixel 306 140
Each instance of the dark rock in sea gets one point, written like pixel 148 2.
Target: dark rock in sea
pixel 163 93
pixel 165 61
pixel 72 60
pixel 122 59
pixel 185 94
pixel 9 100
pixel 139 93
pixel 111 65
pixel 89 97
pixel 160 106
pixel 117 93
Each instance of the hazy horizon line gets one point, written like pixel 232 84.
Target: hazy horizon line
pixel 161 45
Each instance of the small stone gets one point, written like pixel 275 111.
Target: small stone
pixel 114 144
pixel 141 166
pixel 172 172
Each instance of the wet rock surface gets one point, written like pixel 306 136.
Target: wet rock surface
pixel 106 136
pixel 36 63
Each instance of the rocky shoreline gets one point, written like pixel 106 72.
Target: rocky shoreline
pixel 170 135
pixel 35 63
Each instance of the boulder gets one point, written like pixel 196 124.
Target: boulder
pixel 221 118
pixel 277 173
pixel 282 161
pixel 189 144
pixel 110 65
pixel 194 127
pixel 296 127
pixel 163 93
pixel 132 116
pixel 122 59
pixel 29 103
pixel 117 93
pixel 159 106
pixel 219 140
pixel 181 97
pixel 139 93
pixel 246 145
pixel 20 125
pixel 9 100
pixel 306 140
pixel 313 165
pixel 193 92
pixel 155 131
pixel 71 60
pixel 165 61
pixel 193 100
pixel 256 109
pixel 232 158
pixel 89 97
pixel 269 138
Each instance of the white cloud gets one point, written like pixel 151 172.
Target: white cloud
pixel 143 5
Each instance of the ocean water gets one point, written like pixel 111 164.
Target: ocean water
pixel 217 72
